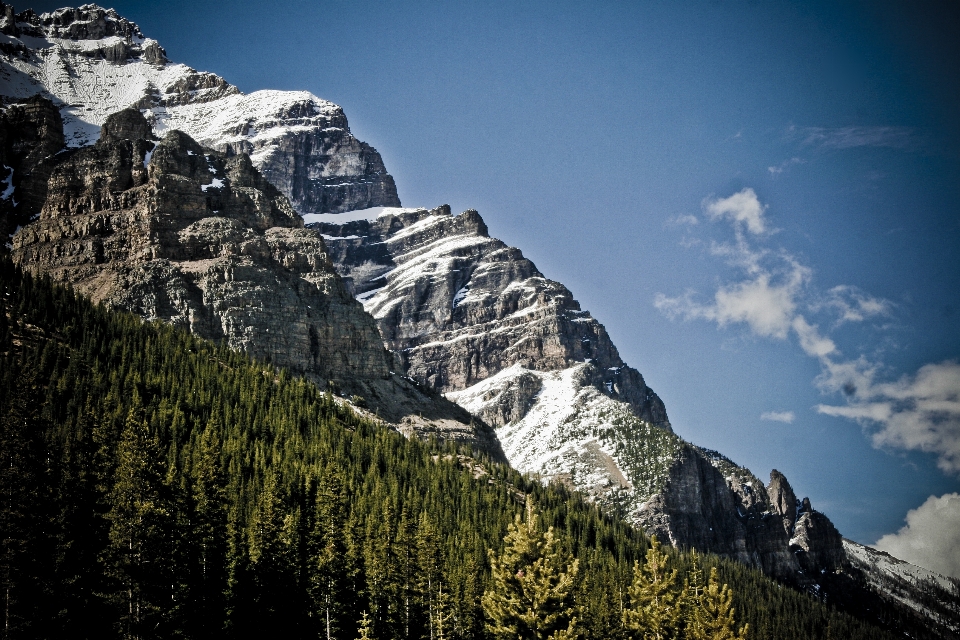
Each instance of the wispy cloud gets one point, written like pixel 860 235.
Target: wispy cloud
pixel 774 298
pixel 783 166
pixel 919 412
pixel 931 537
pixel 853 305
pixel 779 416
pixel 683 221
pixel 851 137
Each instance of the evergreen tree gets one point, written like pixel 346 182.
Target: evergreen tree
pixel 713 619
pixel 210 530
pixel 366 628
pixel 21 511
pixel 429 567
pixel 327 551
pixel 138 552
pixel 272 563
pixel 533 580
pixel 656 606
pixel 441 619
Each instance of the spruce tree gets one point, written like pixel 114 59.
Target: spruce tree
pixel 656 606
pixel 327 564
pixel 533 580
pixel 713 619
pixel 210 529
pixel 366 628
pixel 441 619
pixel 138 552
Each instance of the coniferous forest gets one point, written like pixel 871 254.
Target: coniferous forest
pixel 155 485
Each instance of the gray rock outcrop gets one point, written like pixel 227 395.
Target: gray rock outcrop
pixel 302 144
pixel 174 231
pixel 458 307
pixel 471 317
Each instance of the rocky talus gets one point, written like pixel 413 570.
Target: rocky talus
pixel 91 63
pixel 170 230
pixel 471 317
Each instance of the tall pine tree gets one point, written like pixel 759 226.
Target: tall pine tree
pixel 532 591
pixel 139 539
pixel 656 606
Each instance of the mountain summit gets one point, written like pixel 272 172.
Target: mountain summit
pixel 166 192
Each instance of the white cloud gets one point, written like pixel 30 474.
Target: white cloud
pixel 766 308
pixel 766 301
pixel 920 412
pixel 931 538
pixel 851 137
pixel 812 343
pixel 779 416
pixel 742 207
pixel 853 305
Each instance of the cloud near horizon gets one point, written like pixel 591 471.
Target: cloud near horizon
pixel 931 537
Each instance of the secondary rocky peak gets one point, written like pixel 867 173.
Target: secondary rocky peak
pixel 127 124
pixel 88 22
pixel 783 500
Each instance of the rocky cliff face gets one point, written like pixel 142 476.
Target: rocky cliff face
pixel 174 231
pixel 471 317
pixel 92 62
pixel 31 134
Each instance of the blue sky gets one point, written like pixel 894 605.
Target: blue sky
pixel 758 199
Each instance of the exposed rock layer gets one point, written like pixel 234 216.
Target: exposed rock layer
pixel 173 231
pixel 473 318
pixel 459 307
pixel 302 144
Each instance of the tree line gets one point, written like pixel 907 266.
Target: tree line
pixel 155 485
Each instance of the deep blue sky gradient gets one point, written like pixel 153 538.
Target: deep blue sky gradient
pixel 578 130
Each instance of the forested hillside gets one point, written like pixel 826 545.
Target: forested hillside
pixel 157 485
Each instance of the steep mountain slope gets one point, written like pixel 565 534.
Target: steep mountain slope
pixel 200 239
pixel 91 63
pixel 474 319
pixel 159 486
pixel 170 230
pixel 933 596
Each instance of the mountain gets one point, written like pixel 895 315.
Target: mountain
pixel 163 191
pixel 92 62
pixel 475 320
pixel 170 229
pixel 157 485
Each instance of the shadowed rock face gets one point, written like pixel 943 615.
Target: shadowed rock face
pixel 170 230
pixel 31 134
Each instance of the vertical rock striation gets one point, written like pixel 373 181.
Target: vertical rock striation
pixel 471 317
pixel 171 230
